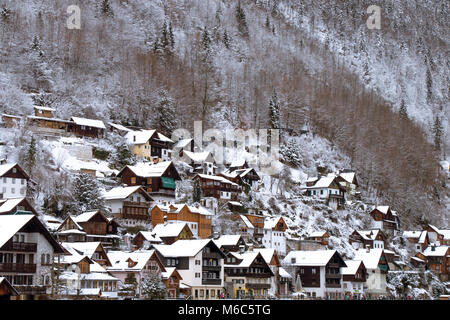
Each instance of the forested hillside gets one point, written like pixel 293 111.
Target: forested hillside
pixel 221 61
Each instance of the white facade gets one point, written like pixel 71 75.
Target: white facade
pixel 353 287
pixel 12 187
pixel 276 240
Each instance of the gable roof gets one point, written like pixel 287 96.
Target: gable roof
pixel 371 258
pixel 438 251
pixel 150 236
pixel 227 240
pixel 198 157
pixel 317 234
pixel 4 168
pixel 309 258
pixel 247 259
pixel 86 216
pixel 120 193
pixel 271 222
pixel 142 136
pixel 324 182
pixel 5 282
pixel 215 178
pixel 352 267
pixel 267 253
pixel 348 176
pixel 149 170
pixel 185 248
pixel 179 206
pixel 88 122
pixel 170 229
pixel 11 224
pixel 169 272
pixel 119 260
pixel 7 205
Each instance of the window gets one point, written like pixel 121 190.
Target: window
pixel 22 181
pixel 14 171
pixel 313 270
pixel 197 262
pixel 133 180
pixel 13 180
pixel 13 190
pixel 197 274
pixel 202 293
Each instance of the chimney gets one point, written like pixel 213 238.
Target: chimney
pixel 165 220
pixel 241 248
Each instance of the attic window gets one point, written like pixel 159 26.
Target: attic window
pixel 14 170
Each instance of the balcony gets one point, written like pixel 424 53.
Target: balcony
pixel 257 285
pixel 18 267
pixel 168 192
pixel 211 268
pixel 333 275
pixel 136 204
pixel 212 281
pixel 20 247
pixel 332 285
pixel 135 216
pixel 26 289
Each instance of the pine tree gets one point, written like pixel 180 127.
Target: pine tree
pixel 164 37
pixel 437 130
pixel 122 156
pixel 429 83
pixel 268 24
pixel 106 8
pixel 5 14
pixel 30 157
pixel 165 119
pixel 241 20
pixel 171 36
pixel 206 40
pixel 226 39
pixel 153 288
pixel 274 111
pixel 197 194
pixel 86 193
pixel 403 111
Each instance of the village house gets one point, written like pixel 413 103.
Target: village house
pixel 377 267
pixel 149 144
pixel 186 145
pixel 218 187
pixel 347 179
pixel 354 277
pixel 274 236
pixel 238 165
pixel 247 176
pixel 27 250
pixel 252 227
pixel 129 204
pixel 436 236
pixel 200 162
pixel 199 262
pixel 82 127
pixel 319 272
pixel 81 277
pixel 132 268
pixel 281 282
pixel 418 238
pixel 385 219
pixel 197 217
pixel 172 279
pixel 374 239
pixel 93 250
pixel 173 231
pixel 247 275
pixel 437 259
pixel 11 121
pixel 231 243
pixel 118 128
pixel 16 206
pixel 13 181
pixel 328 188
pixel 89 226
pixel 157 179
pixel 144 239
pixel 320 237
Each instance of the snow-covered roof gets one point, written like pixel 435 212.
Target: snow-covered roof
pixel 309 258
pixel 267 253
pixel 150 236
pixel 352 267
pixel 216 178
pixel 368 234
pixel 438 251
pixel 169 229
pixel 179 206
pixel 237 163
pixel 44 108
pixel 4 168
pixel 86 216
pixel 370 259
pixel 7 205
pixel 149 170
pixel 198 157
pixel 119 126
pixel 247 222
pixel 246 257
pixel 11 224
pixel 382 209
pixel 270 223
pixel 71 231
pixel 182 248
pixel 445 234
pixel 142 136
pixel 168 273
pixel 323 182
pixel 235 203
pixel 119 193
pixel 317 234
pixel 89 122
pixel 81 248
pixel 412 234
pixel 119 260
pixel 348 176
pixel 283 273
pixel 227 240
pixel 182 143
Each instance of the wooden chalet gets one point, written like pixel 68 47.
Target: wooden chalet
pixel 328 188
pixel 7 290
pixel 320 237
pixel 142 237
pixel 354 277
pixel 374 239
pixel 149 144
pixel 11 121
pixel 385 219
pixel 198 218
pixel 231 243
pixel 437 259
pixel 218 187
pixel 171 232
pixel 16 206
pixel 172 279
pixel 158 180
pixel 82 127
pixel 93 250
pixel 419 239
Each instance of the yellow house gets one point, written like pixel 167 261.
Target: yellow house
pixel 148 144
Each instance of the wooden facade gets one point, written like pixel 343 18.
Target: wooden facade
pixel 357 237
pixel 215 188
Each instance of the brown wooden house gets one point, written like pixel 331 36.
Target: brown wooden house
pixel 218 187
pixel 437 260
pixel 320 237
pixel 374 239
pixel 171 279
pixel 82 127
pixel 16 206
pixel 385 219
pixel 198 218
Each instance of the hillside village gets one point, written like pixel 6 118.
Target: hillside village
pixel 162 219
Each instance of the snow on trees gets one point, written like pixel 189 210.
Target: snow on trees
pixel 86 193
pixel 153 288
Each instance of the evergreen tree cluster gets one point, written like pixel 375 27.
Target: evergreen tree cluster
pixel 153 287
pixel 274 111
pixel 242 21
pixel 165 120
pixel 291 153
pixel 86 194
pixel 165 44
